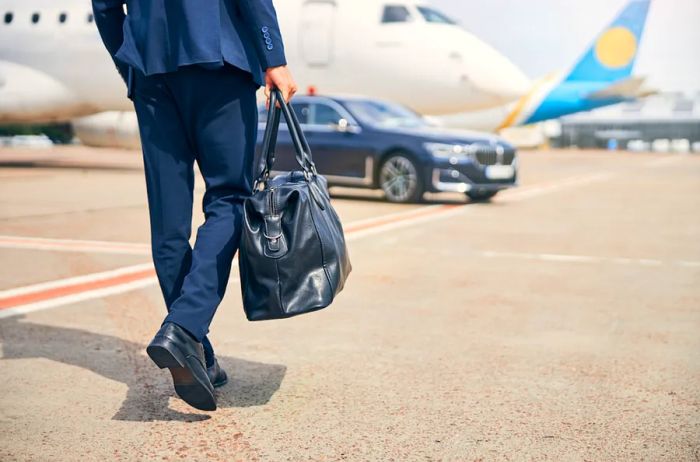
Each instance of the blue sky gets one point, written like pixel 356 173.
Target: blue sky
pixel 541 36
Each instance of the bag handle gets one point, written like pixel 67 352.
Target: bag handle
pixel 301 145
pixel 267 157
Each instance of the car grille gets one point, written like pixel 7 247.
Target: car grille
pixel 492 155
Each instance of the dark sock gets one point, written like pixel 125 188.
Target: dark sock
pixel 208 352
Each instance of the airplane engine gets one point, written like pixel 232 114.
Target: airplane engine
pixel 113 129
pixel 29 95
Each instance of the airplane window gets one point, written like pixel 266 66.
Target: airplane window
pixel 90 17
pixel 35 18
pixel 62 17
pixel 324 114
pixel 8 18
pixel 395 13
pixel 431 15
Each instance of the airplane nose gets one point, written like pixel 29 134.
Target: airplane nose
pixel 502 87
pixel 491 78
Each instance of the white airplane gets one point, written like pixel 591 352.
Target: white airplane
pixel 53 66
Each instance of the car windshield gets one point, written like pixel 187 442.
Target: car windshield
pixel 386 115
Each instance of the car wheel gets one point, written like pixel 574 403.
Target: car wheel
pixel 399 179
pixel 480 196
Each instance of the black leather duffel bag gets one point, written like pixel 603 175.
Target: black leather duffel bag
pixel 293 257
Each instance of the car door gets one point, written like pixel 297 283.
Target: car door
pixel 285 159
pixel 336 142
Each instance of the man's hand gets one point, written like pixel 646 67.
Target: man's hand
pixel 281 78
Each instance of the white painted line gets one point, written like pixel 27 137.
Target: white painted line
pixel 78 297
pixel 649 262
pixel 358 233
pixel 404 219
pixel 671 159
pixel 70 290
pixel 554 186
pixel 80 288
pixel 73 245
pixel 354 230
pixel 623 261
pixel 124 271
pixel 587 259
pixel 399 214
pixel 568 258
pixel 540 256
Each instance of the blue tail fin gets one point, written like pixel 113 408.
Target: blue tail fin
pixel 612 55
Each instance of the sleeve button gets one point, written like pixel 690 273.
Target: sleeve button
pixel 265 29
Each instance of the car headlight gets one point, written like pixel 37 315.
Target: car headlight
pixel 446 150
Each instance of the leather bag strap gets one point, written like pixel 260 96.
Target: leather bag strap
pixel 267 157
pixel 301 145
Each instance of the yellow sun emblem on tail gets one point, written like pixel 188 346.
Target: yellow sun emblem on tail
pixel 616 47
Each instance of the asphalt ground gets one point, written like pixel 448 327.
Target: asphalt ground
pixel 558 322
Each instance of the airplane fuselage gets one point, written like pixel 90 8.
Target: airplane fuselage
pixel 56 70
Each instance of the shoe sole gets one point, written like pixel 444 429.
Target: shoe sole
pixel 187 385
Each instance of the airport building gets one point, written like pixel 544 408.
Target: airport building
pixel 667 122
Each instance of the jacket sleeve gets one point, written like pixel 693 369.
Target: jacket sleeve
pixel 261 18
pixel 109 18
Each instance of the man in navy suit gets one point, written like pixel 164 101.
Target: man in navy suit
pixel 192 68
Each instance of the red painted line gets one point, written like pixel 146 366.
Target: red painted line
pixel 68 288
pixel 80 287
pixel 69 244
pixel 72 289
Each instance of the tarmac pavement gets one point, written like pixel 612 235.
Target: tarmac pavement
pixel 558 322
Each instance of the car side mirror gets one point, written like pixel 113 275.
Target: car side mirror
pixel 343 126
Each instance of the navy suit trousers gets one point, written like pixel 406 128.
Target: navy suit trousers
pixel 207 116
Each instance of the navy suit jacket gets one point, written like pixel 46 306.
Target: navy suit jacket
pixel 157 36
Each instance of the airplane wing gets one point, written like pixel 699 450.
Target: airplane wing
pixel 631 87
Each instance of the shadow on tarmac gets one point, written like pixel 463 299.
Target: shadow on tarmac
pixel 250 383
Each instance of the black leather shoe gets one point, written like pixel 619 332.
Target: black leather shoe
pixel 174 348
pixel 217 375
